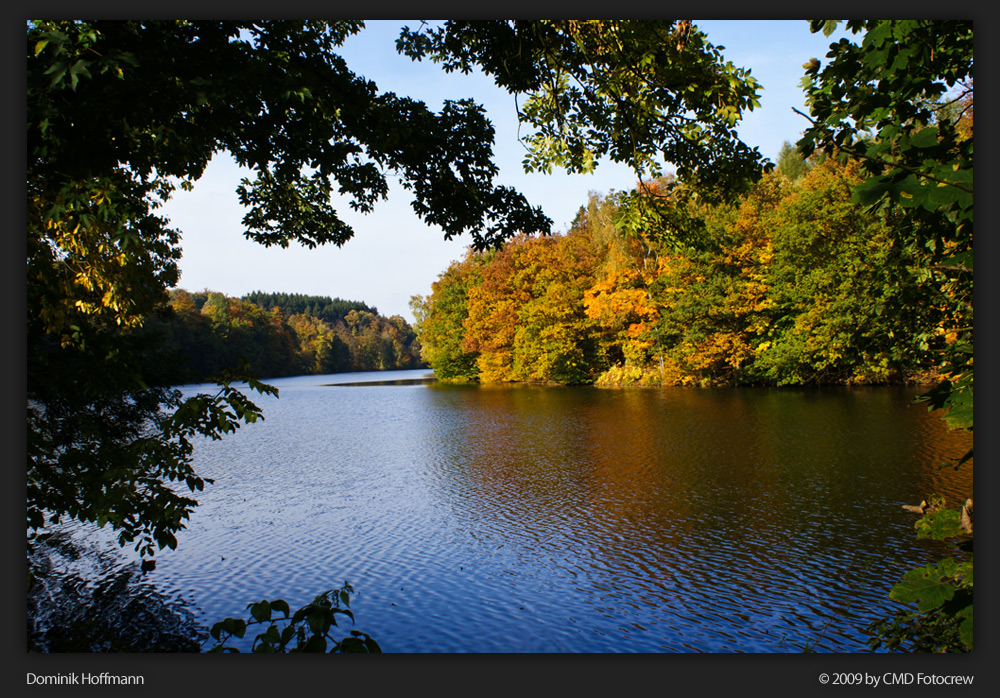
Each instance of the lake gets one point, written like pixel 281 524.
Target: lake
pixel 518 518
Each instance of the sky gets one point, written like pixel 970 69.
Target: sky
pixel 394 255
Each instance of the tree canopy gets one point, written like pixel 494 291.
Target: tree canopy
pixel 795 284
pixel 641 92
pixel 900 101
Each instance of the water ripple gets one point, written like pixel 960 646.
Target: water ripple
pixel 526 519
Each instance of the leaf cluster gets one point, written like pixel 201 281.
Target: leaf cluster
pixel 639 92
pixel 943 620
pixel 308 629
pixel 124 458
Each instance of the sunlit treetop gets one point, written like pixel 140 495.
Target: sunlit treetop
pixel 644 93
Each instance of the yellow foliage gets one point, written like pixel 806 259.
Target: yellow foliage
pixel 648 374
pixel 494 366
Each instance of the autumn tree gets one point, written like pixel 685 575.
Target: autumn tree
pixel 320 350
pixel 493 307
pixel 788 285
pixel 619 300
pixel 715 298
pixel 554 338
pixel 441 318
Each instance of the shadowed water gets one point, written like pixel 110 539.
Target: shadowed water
pixel 556 519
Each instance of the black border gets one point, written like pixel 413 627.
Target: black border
pixel 509 673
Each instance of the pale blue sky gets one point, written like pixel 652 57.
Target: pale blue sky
pixel 394 255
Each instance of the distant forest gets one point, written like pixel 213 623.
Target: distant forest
pixel 322 307
pixel 277 334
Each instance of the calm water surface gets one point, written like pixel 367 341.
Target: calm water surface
pixel 559 519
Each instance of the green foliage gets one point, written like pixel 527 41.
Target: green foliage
pixel 912 631
pixel 443 315
pixel 845 302
pixel 932 586
pixel 887 101
pixel 942 593
pixel 639 92
pixel 193 344
pixel 309 629
pixel 122 459
pixel 284 104
pixel 953 397
pixel 879 101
